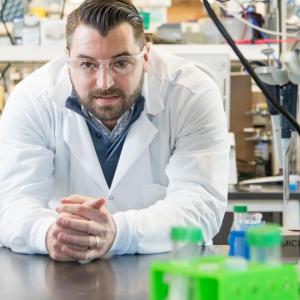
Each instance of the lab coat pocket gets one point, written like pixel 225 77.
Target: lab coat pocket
pixel 152 193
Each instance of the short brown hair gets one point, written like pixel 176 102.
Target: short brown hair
pixel 104 15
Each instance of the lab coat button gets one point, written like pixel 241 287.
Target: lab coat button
pixel 111 198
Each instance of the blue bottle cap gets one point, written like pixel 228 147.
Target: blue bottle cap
pixel 293 186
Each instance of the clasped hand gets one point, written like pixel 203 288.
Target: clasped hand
pixel 84 230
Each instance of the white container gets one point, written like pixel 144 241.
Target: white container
pixel 53 32
pixel 31 31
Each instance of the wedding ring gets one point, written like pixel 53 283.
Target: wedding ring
pixel 98 241
pixel 94 242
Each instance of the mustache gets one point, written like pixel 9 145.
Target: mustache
pixel 111 92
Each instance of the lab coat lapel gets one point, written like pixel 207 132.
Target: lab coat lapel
pixel 139 137
pixel 78 138
pixel 142 131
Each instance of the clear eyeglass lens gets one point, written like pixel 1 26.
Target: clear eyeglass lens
pixel 119 66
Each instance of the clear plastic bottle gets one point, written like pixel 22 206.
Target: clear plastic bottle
pixel 252 219
pixel 17 32
pixel 236 239
pixel 264 242
pixel 186 242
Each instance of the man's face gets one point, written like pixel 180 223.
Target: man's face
pixel 106 92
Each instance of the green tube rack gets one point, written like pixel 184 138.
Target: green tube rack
pixel 209 278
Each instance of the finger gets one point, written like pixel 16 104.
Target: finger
pixel 54 245
pixel 81 242
pixel 71 201
pixel 79 248
pixel 60 229
pixel 87 227
pixel 80 255
pixel 57 255
pixel 84 211
pixel 79 199
pixel 76 247
pixel 96 203
pixel 61 238
pixel 68 215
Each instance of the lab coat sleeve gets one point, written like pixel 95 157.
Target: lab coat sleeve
pixel 198 180
pixel 26 168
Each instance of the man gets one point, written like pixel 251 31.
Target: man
pixel 104 150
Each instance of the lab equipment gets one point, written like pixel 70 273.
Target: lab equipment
pixel 293 185
pixel 236 239
pixel 222 278
pixel 157 10
pixel 293 122
pixel 287 92
pixel 185 242
pixel 37 8
pixel 243 220
pixel 272 80
pixel 31 31
pixel 264 242
pixel 252 219
pixel 17 32
pixel 238 216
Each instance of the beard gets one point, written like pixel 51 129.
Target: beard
pixel 109 112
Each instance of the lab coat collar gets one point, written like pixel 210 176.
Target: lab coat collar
pixel 151 92
pixel 62 87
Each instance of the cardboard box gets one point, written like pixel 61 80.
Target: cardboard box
pixel 290 246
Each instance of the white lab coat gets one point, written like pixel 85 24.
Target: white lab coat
pixel 173 167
